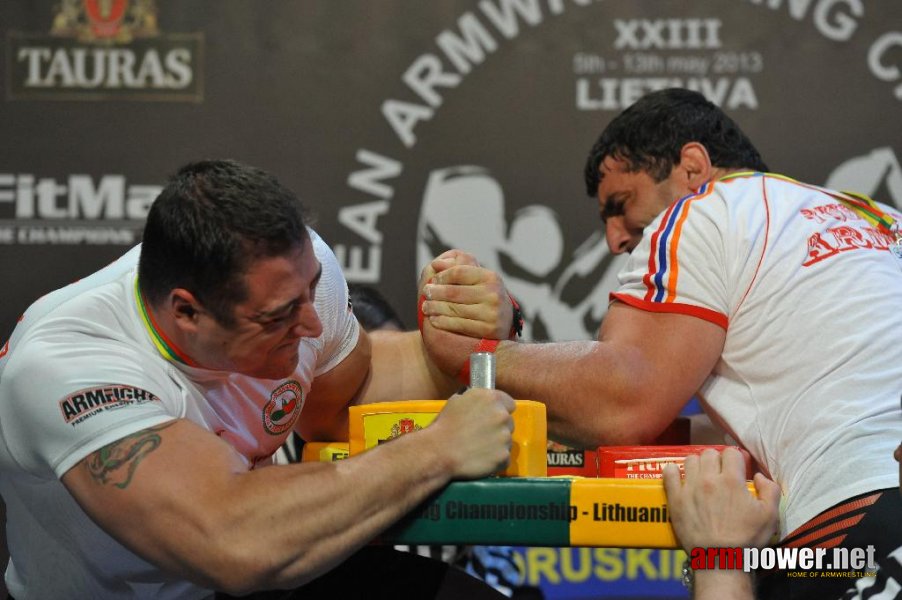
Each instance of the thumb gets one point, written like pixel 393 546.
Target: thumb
pixel 672 480
pixel 768 491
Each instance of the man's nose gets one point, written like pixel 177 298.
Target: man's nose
pixel 617 236
pixel 308 323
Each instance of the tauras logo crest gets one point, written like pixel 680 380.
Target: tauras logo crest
pixel 101 49
pixel 105 20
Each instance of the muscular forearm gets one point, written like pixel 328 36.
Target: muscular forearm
pixel 623 389
pixel 336 509
pixel 183 499
pixel 385 366
pixel 402 370
pixel 215 523
pixel 593 394
pixel 330 510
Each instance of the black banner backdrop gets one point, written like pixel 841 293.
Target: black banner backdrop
pixel 410 127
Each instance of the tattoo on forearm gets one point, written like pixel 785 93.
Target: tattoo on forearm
pixel 116 463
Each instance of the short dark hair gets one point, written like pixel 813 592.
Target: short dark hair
pixel 213 219
pixel 649 135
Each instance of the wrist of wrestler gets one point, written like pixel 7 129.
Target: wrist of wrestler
pixel 484 344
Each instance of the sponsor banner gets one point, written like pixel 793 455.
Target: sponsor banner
pixel 618 513
pixel 48 69
pixel 72 210
pixel 583 573
pixel 501 511
pixel 647 462
pixel 564 460
pixel 487 125
pixel 104 50
pixel 462 124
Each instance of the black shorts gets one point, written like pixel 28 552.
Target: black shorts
pixel 377 572
pixel 872 519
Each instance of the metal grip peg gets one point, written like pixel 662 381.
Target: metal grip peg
pixel 482 370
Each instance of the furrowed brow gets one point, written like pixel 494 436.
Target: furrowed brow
pixel 613 205
pixel 279 311
pixel 276 312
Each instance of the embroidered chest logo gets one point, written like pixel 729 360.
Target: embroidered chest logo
pixel 283 408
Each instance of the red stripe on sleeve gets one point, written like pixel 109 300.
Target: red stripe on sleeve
pixel 706 314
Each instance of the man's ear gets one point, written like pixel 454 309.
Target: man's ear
pixel 184 308
pixel 695 165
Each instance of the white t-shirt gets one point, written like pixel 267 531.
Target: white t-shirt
pixel 81 371
pixel 811 300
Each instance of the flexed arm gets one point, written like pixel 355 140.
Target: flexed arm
pixel 180 497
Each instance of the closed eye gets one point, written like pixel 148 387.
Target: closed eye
pixel 283 315
pixel 278 316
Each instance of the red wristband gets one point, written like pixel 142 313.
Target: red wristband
pixel 484 345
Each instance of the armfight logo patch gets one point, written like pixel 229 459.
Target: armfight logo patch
pixel 86 403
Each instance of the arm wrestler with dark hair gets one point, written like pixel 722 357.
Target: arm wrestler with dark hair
pixel 771 298
pixel 140 408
